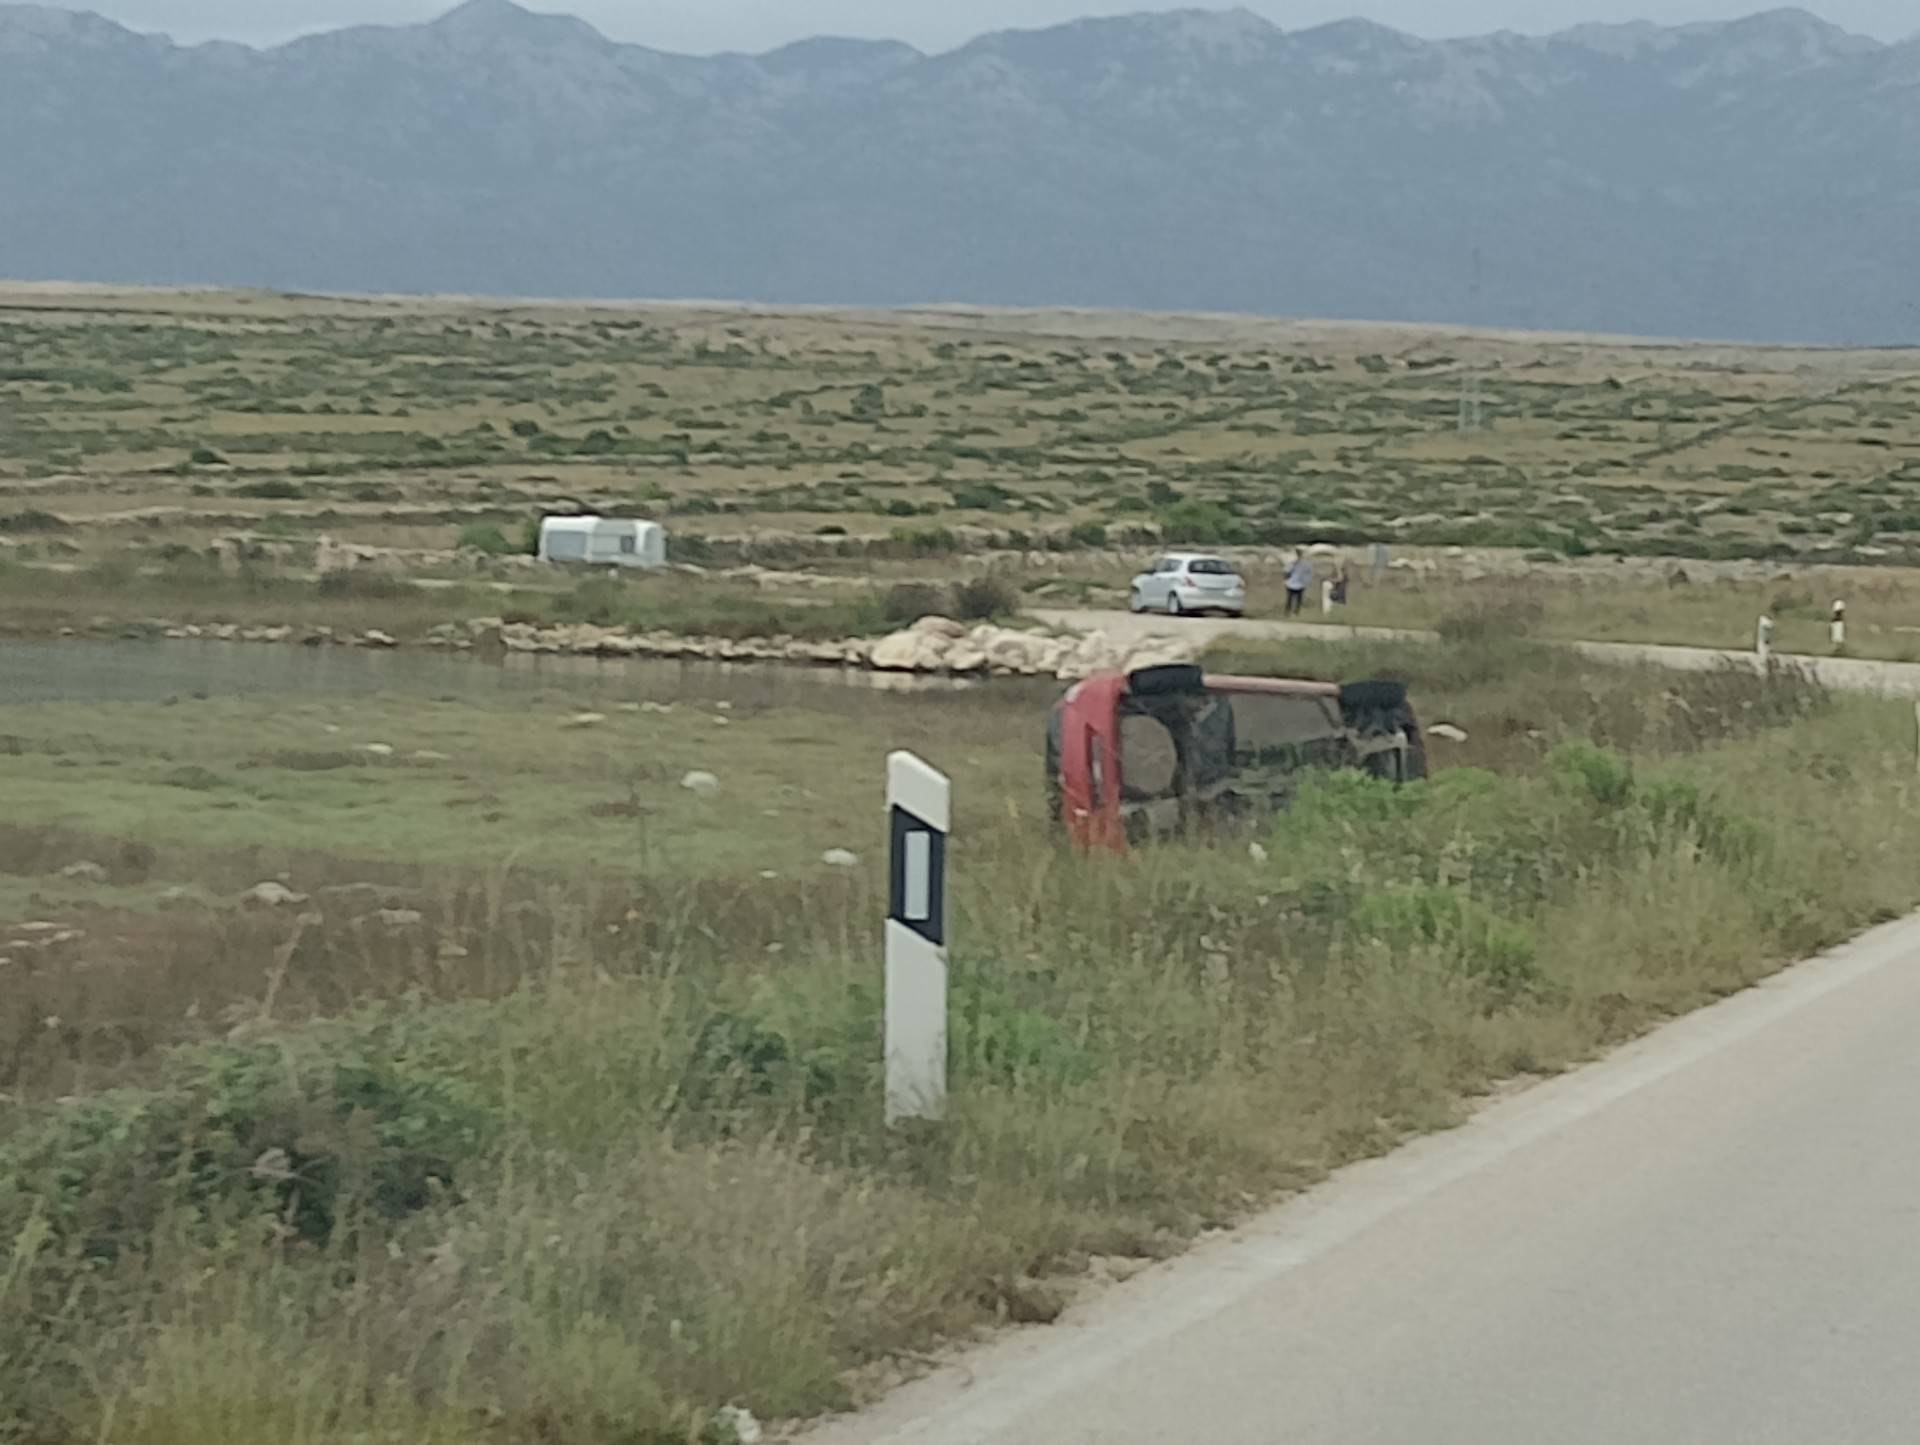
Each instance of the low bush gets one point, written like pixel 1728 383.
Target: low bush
pixel 981 599
pixel 487 538
pixel 32 521
pixel 276 489
pixel 908 602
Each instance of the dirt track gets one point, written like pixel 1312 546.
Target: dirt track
pixel 1846 674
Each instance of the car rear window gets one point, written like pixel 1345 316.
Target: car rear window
pixel 1210 567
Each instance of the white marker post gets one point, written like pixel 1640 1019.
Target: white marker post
pixel 1839 626
pixel 1326 598
pixel 919 805
pixel 1763 642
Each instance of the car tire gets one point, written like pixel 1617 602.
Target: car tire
pixel 1174 609
pixel 1135 602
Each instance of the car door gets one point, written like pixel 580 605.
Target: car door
pixel 1153 591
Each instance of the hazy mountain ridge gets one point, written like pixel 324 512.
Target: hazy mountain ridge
pixel 1759 178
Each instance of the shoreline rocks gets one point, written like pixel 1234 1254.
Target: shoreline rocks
pixel 932 646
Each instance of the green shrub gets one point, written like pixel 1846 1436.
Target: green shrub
pixel 1088 534
pixel 926 541
pixel 981 497
pixel 997 1037
pixel 1602 774
pixel 364 1112
pixel 1472 937
pixel 980 599
pixel 910 601
pixel 487 538
pixel 351 582
pixel 1206 524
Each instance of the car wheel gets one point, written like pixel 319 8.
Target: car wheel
pixel 1135 602
pixel 1174 609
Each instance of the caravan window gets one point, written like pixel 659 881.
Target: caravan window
pixel 628 545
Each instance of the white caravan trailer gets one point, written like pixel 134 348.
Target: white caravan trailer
pixel 603 542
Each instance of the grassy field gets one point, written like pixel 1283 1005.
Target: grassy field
pixel 547 1109
pixel 160 418
pixel 1883 606
pixel 454 1053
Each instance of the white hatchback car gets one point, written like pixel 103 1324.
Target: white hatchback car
pixel 1183 582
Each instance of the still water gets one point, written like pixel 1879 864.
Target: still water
pixel 74 671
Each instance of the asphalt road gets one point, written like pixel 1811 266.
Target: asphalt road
pixel 1710 1238
pixel 1847 674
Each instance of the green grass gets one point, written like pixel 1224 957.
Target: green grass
pixel 594 1146
pixel 516 781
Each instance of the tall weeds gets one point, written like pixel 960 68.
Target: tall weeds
pixel 648 1176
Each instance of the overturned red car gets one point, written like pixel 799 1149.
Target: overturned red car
pixel 1135 756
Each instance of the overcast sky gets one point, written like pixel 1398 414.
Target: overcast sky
pixel 708 25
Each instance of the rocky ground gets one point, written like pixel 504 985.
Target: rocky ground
pixel 933 645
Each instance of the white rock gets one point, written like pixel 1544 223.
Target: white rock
pixel 706 784
pixel 1257 853
pixel 373 637
pixel 1094 653
pixel 738 1426
pixel 585 720
pixel 840 858
pixel 400 917
pixel 966 656
pixel 1448 731
pixel 378 750
pixel 940 627
pixel 84 872
pixel 427 755
pixel 911 651
pixel 272 895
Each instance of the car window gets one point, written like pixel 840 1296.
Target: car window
pixel 1166 564
pixel 1210 567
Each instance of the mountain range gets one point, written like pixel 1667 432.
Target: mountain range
pixel 1757 179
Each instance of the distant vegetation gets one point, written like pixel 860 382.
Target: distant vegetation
pixel 431 427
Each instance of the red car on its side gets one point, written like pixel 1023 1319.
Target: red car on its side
pixel 1135 756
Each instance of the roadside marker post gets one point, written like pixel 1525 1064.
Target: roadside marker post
pixel 1763 642
pixel 920 812
pixel 1839 631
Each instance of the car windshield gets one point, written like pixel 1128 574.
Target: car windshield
pixel 1210 567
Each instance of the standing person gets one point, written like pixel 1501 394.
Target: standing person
pixel 1299 579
